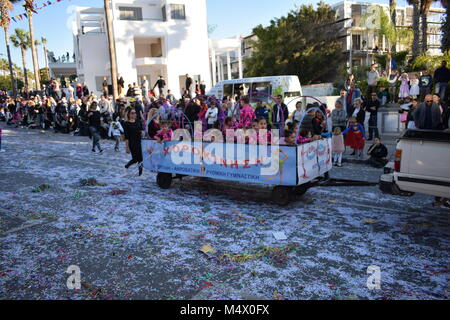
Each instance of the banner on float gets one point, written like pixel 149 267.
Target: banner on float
pixel 233 162
pixel 314 160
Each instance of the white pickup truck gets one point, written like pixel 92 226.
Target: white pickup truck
pixel 422 165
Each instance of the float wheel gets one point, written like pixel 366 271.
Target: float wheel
pixel 281 195
pixel 164 180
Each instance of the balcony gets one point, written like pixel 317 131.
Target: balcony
pixel 150 61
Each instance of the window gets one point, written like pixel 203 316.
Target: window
pixel 164 13
pixel 130 13
pixel 228 90
pixel 293 94
pixel 356 42
pixel 177 11
pixel 260 91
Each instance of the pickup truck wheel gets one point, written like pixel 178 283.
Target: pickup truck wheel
pixel 281 195
pixel 164 180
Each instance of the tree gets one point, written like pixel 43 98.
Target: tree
pixel 44 75
pixel 393 12
pixel 380 22
pixel 6 6
pixel 21 39
pixel 415 27
pixel 446 27
pixel 44 47
pixel 29 7
pixel 304 43
pixel 428 62
pixel 425 6
pixel 112 49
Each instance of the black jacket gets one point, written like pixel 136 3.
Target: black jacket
pixel 94 119
pixel 283 116
pixel 379 152
pixel 442 74
pixel 360 117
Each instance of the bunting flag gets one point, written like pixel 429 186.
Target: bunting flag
pixel 30 6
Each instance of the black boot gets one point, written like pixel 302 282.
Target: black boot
pixel 141 169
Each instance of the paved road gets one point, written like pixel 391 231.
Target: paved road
pixel 144 244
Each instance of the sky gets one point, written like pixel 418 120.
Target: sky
pixel 232 18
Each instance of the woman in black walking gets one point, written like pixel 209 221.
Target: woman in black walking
pixel 133 137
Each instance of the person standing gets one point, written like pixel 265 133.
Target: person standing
pixel 161 84
pixel 372 80
pixel 211 115
pixel 105 86
pixel 404 88
pixel 441 79
pixel 358 112
pixel 280 113
pixel 343 99
pixel 85 90
pixel 94 126
pixel 339 117
pixel 425 84
pixel 189 85
pixel 428 115
pixel 145 88
pixel 203 88
pixel 392 80
pixel 352 94
pixel 115 131
pixel 372 107
pixel 121 84
pixel 133 136
pixel 170 97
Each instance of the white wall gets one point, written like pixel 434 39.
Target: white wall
pixel 95 58
pixel 185 42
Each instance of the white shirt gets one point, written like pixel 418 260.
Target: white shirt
pixel 115 129
pixel 211 115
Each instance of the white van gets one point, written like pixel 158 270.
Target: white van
pixel 261 89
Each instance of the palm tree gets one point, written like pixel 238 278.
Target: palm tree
pixel 112 49
pixel 393 11
pixel 21 39
pixel 415 27
pixel 29 7
pixel 381 24
pixel 37 43
pixel 44 47
pixel 425 6
pixel 6 6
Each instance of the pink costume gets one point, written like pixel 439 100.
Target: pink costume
pixel 247 116
pixel 164 135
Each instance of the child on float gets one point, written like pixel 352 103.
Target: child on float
pixel 165 134
pixel 264 135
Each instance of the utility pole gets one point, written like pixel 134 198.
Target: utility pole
pixel 112 49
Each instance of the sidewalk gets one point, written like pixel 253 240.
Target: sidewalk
pixel 389 140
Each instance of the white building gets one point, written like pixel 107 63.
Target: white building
pixel 361 44
pixel 152 38
pixel 228 57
